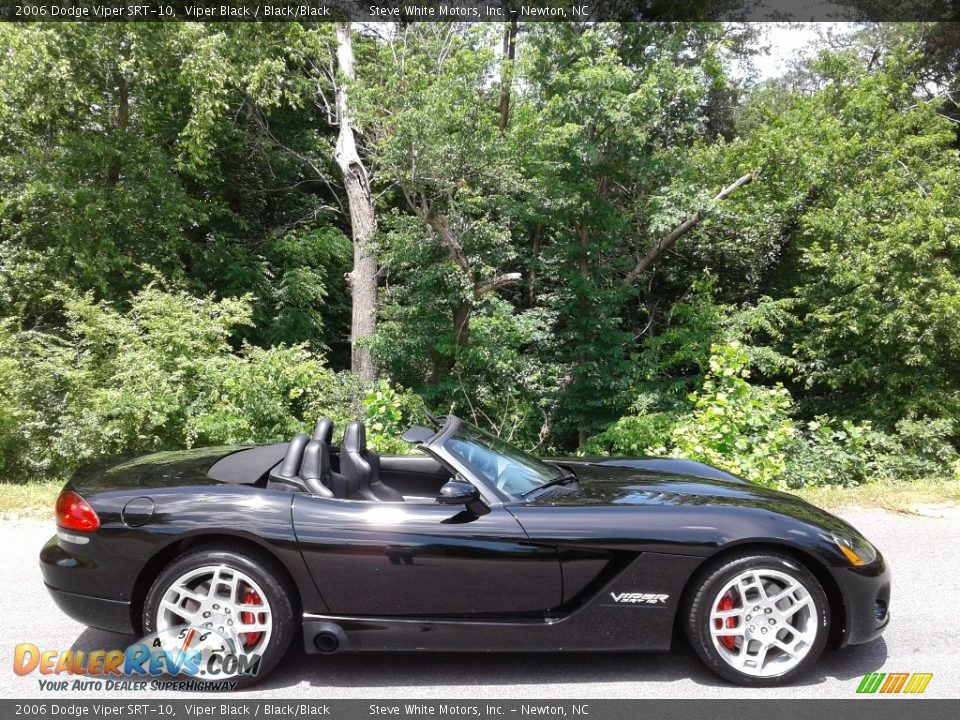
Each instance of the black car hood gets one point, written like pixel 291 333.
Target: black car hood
pixel 611 485
pixel 619 487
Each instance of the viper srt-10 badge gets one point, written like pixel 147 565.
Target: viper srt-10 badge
pixel 639 598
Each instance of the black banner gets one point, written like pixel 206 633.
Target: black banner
pixel 482 11
pixel 864 709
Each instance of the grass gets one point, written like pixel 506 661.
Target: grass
pixel 35 500
pixel 31 500
pixel 899 497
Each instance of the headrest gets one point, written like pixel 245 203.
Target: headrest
pixel 291 461
pixel 354 438
pixel 316 461
pixel 323 431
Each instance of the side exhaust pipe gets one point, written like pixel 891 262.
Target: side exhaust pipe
pixel 326 642
pixel 328 638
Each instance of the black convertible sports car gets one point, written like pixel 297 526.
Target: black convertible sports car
pixel 469 544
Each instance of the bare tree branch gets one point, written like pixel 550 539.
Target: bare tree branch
pixel 683 228
pixel 548 414
pixel 441 226
pixel 499 281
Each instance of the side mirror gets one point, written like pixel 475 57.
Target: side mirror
pixel 457 492
pixel 460 492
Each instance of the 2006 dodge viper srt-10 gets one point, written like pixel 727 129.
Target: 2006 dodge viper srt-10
pixel 469 544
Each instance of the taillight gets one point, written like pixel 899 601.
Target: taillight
pixel 75 513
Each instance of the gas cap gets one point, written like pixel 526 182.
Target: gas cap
pixel 137 512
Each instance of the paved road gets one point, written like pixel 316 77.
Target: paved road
pixel 924 636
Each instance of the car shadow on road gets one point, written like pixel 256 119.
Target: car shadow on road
pixel 415 670
pixel 848 663
pixel 94 639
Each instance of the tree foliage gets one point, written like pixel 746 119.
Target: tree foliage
pixel 164 374
pixel 175 234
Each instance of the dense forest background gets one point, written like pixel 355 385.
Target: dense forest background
pixel 588 238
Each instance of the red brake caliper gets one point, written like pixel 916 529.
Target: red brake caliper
pixel 250 597
pixel 726 603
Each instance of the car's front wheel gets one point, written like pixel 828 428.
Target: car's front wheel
pixel 237 605
pixel 758 619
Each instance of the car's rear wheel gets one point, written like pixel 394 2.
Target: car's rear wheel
pixel 758 619
pixel 229 593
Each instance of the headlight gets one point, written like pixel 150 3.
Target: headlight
pixel 857 550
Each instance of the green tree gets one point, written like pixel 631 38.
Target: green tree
pixel 856 208
pixel 133 152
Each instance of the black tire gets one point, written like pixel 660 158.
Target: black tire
pixel 263 570
pixel 710 583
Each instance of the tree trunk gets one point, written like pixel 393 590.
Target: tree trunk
pixel 583 233
pixel 506 73
pixel 123 120
pixel 363 221
pixel 439 226
pixel 461 321
pixel 537 240
pixel 461 324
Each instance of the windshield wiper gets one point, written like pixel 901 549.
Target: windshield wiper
pixel 564 479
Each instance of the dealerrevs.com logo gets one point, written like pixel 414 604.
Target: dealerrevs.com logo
pixel 200 658
pixel 891 683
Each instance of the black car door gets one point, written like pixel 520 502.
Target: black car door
pixel 389 559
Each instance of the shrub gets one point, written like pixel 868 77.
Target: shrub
pixel 735 426
pixel 847 454
pixel 390 411
pixel 260 395
pixel 832 453
pixel 922 449
pixel 130 380
pixel 165 375
pixel 747 430
pixel 268 395
pixel 634 434
pixel 12 415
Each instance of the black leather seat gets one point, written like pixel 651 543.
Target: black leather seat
pixel 285 475
pixel 324 431
pixel 291 460
pixel 361 467
pixel 305 468
pixel 315 468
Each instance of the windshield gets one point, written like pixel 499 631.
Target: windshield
pixel 509 469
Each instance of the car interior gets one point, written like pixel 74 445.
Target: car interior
pixel 352 471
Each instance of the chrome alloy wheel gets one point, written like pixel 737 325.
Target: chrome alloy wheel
pixel 763 622
pixel 222 599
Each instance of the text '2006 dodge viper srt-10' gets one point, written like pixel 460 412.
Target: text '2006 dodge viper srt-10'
pixel 467 545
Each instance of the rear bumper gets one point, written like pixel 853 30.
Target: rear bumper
pixel 60 568
pixel 866 600
pixel 112 615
